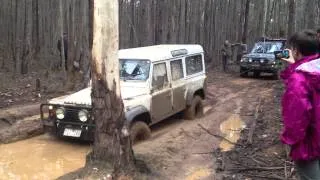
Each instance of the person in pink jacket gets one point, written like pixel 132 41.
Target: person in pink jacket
pixel 301 104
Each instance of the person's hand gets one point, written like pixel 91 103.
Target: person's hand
pixel 290 60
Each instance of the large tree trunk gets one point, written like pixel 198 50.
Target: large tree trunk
pixel 112 144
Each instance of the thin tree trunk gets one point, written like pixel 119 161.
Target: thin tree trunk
pixel 246 21
pixel 27 48
pixel 265 7
pixel 291 18
pixel 61 23
pixel 112 143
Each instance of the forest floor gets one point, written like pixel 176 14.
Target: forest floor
pixel 238 138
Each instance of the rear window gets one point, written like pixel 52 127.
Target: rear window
pixel 194 64
pixel 176 69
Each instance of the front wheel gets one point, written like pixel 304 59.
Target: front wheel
pixel 256 74
pixel 243 72
pixel 276 75
pixel 139 131
pixel 195 110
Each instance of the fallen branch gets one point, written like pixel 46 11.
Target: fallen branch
pixel 285 171
pixel 217 136
pixel 254 123
pixel 256 169
pixel 266 177
pixel 204 153
pixel 6 120
pixel 257 161
pixel 186 133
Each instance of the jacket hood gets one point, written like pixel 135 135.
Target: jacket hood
pixel 293 67
pixel 312 68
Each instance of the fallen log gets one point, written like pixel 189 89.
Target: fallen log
pixel 21 130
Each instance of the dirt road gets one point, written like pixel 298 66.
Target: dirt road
pixel 178 149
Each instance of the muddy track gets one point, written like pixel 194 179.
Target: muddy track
pixel 179 149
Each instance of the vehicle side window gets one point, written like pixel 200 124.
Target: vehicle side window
pixel 176 69
pixel 160 76
pixel 194 64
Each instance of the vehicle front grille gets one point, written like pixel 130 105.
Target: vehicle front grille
pixel 258 61
pixel 71 115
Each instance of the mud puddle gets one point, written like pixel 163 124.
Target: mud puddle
pixel 231 129
pixel 43 157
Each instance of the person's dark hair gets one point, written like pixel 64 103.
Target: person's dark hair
pixel 318 31
pixel 305 42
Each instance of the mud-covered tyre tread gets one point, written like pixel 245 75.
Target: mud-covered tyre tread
pixel 141 129
pixel 190 112
pixel 256 74
pixel 243 72
pixel 276 75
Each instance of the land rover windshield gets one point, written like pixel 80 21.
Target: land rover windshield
pixel 134 70
pixel 267 47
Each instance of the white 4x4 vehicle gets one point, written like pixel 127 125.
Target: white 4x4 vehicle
pixel 156 82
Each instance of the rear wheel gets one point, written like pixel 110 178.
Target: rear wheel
pixel 139 131
pixel 195 110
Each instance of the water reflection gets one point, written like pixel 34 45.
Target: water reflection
pixel 42 157
pixel 231 130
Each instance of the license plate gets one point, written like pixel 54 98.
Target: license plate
pixel 72 132
pixel 255 65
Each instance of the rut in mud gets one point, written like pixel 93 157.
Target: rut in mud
pixel 178 149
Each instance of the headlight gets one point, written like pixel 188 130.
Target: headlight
pixel 60 113
pixel 262 60
pixel 244 60
pixel 83 115
pixel 271 61
pixel 50 107
pixel 250 60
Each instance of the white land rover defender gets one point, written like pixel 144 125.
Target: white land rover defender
pixel 156 82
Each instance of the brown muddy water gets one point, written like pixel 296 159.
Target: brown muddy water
pixel 43 157
pixel 231 129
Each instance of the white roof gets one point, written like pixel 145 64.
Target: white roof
pixel 158 52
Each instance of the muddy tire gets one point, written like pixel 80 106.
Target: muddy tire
pixel 195 110
pixel 276 75
pixel 243 72
pixel 139 131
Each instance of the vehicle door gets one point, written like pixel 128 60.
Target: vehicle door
pixel 161 103
pixel 178 85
